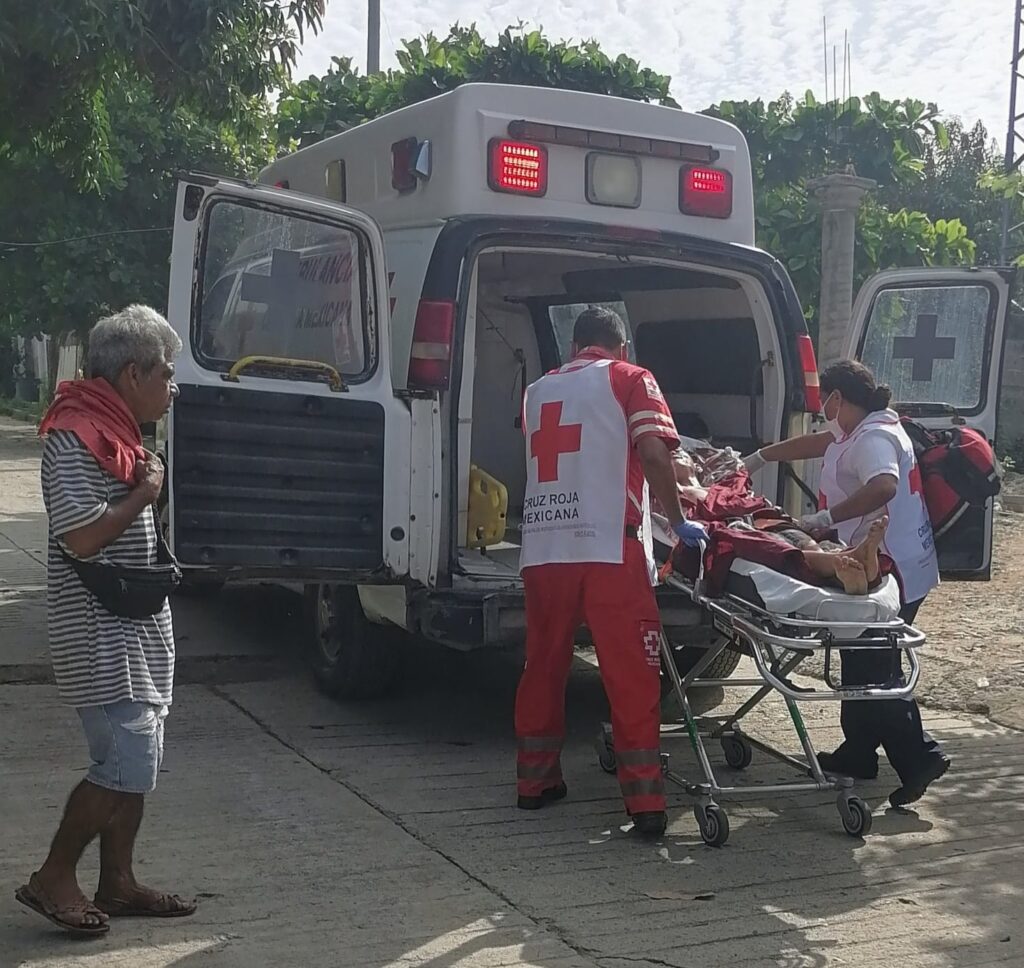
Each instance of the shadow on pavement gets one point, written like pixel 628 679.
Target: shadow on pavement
pixel 569 886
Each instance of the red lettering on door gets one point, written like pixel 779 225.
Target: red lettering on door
pixel 552 439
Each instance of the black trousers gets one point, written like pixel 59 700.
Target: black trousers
pixel 893 724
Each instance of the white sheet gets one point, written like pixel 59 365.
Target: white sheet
pixel 787 596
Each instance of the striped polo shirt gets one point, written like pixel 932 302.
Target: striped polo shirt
pixel 99 657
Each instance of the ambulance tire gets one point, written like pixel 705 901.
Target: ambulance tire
pixel 351 657
pixel 688 656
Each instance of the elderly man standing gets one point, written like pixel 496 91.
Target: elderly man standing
pixel 111 640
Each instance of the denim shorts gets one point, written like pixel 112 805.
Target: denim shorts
pixel 126 744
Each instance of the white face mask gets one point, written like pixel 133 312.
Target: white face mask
pixel 832 426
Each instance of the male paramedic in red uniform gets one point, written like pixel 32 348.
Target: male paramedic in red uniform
pixel 597 431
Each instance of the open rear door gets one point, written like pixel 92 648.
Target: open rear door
pixel 288 451
pixel 936 337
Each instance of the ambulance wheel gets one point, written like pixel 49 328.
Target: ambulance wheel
pixel 856 816
pixel 738 751
pixel 351 657
pixel 713 823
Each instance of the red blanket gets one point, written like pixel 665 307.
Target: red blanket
pixel 728 544
pixel 732 499
pixel 96 414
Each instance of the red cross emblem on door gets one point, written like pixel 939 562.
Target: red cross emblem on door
pixel 552 439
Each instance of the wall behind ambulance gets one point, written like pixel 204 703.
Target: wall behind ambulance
pixel 1010 429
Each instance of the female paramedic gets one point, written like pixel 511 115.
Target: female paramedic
pixel 868 470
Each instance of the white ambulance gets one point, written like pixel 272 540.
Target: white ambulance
pixel 359 329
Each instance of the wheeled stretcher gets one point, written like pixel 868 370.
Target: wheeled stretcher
pixel 781 623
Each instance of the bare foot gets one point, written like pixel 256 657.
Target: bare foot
pixel 851 575
pixel 867 551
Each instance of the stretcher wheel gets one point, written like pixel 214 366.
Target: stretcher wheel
pixel 605 746
pixel 738 752
pixel 606 760
pixel 856 816
pixel 713 823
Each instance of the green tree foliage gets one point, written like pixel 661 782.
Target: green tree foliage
pixel 1008 190
pixel 321 106
pixel 954 179
pixel 792 140
pixel 67 286
pixel 930 203
pixel 101 102
pixel 926 172
pixel 60 61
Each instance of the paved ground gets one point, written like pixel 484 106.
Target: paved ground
pixel 318 834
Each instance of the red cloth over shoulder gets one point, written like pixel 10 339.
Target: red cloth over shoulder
pixel 94 411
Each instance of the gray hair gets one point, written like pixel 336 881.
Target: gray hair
pixel 138 335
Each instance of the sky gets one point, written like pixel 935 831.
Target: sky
pixel 953 52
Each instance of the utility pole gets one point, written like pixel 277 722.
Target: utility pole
pixel 1014 128
pixel 373 36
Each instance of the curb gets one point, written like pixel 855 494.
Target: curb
pixel 8 409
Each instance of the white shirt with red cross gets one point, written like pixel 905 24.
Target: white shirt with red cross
pixel 880 445
pixel 584 480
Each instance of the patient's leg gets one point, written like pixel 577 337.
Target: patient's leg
pixel 842 567
pixel 867 551
pixel 856 569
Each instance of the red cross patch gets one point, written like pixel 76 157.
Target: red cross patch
pixel 552 439
pixel 651 634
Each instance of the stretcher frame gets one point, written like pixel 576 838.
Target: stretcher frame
pixel 778 644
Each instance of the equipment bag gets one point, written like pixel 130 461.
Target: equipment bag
pixel 958 471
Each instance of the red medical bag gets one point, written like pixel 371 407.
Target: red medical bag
pixel 958 471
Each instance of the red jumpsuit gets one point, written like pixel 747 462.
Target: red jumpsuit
pixel 584 564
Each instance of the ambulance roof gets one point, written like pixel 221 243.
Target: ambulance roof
pixel 461 125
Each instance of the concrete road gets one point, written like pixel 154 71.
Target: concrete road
pixel 371 835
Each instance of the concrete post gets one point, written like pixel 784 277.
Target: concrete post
pixel 840 196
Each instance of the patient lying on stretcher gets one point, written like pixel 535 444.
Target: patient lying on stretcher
pixel 767 535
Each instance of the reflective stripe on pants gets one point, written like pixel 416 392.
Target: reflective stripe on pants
pixel 538 764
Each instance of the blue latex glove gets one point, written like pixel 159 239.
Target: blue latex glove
pixel 691 533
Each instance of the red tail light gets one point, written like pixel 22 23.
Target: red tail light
pixel 517 167
pixel 809 365
pixel 706 192
pixel 430 362
pixel 281 184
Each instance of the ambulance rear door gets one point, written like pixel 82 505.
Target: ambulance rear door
pixel 935 336
pixel 289 454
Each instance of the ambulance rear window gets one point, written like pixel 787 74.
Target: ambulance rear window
pixel 282 285
pixel 704 356
pixel 563 319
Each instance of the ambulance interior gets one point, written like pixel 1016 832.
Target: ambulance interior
pixel 707 335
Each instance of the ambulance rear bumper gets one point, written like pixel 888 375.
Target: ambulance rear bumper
pixel 477 618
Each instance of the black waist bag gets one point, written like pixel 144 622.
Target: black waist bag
pixel 131 592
